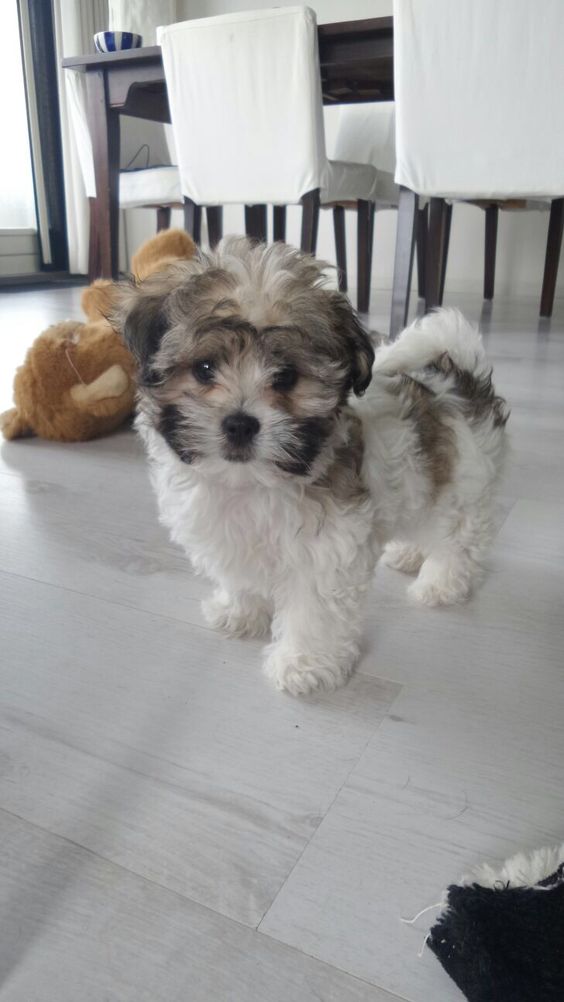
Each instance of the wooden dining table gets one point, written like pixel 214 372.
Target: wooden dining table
pixel 356 60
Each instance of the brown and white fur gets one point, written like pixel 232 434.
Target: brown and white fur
pixel 283 488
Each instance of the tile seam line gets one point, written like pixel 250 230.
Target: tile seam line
pixel 331 805
pixel 108 601
pixel 183 897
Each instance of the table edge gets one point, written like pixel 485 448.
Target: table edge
pixel 152 53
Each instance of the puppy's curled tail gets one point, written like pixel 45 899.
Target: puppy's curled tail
pixel 426 342
pixel 444 353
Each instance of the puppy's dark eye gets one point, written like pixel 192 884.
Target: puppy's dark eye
pixel 204 371
pixel 285 379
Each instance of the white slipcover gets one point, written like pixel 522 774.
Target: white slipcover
pixel 146 186
pixel 366 134
pixel 149 186
pixel 479 88
pixel 245 99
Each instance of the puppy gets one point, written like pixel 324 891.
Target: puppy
pixel 281 484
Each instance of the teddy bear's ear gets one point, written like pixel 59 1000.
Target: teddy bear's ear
pixel 139 314
pixel 162 250
pixel 98 299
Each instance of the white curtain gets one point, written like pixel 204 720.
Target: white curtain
pixel 141 16
pixel 143 143
pixel 76 22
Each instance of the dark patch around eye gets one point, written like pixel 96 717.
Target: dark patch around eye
pixel 172 426
pixel 311 434
pixel 285 379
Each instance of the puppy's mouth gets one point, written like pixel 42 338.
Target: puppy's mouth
pixel 238 454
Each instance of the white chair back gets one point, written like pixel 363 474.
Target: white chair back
pixel 245 100
pixel 478 88
pixel 156 183
pixel 366 135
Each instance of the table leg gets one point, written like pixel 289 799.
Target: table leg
pixel 104 132
pixel 93 260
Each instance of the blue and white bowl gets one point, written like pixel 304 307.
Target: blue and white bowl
pixel 115 41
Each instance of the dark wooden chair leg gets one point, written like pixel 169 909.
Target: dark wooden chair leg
pixel 492 213
pixel 279 223
pixel 421 240
pixel 310 221
pixel 163 218
pixel 214 215
pixel 256 222
pixel 193 220
pixel 365 236
pixel 433 264
pixel 447 220
pixel 553 246
pixel 340 246
pixel 403 263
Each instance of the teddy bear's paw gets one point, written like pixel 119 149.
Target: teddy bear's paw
pixel 13 425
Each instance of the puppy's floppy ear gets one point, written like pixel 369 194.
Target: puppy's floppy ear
pixel 140 316
pixel 357 342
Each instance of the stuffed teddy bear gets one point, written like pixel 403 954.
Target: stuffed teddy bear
pixel 78 379
pixel 160 251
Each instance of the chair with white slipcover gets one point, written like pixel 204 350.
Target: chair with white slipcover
pixel 478 94
pixel 366 134
pixel 148 187
pixel 246 107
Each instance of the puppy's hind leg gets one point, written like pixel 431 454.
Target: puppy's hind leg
pixel 453 562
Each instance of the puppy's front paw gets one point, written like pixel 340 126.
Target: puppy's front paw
pixel 300 674
pixel 242 616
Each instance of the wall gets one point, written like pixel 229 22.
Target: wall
pixel 19 252
pixel 521 235
pixel 326 10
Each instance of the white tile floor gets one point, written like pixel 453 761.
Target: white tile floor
pixel 174 829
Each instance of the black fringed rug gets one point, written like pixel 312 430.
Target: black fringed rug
pixel 501 934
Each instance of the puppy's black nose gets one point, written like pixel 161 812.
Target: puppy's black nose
pixel 240 428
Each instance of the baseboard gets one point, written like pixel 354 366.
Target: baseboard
pixel 40 280
pixel 470 287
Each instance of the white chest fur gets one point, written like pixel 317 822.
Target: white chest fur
pixel 248 532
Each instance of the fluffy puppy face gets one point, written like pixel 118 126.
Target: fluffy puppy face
pixel 245 357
